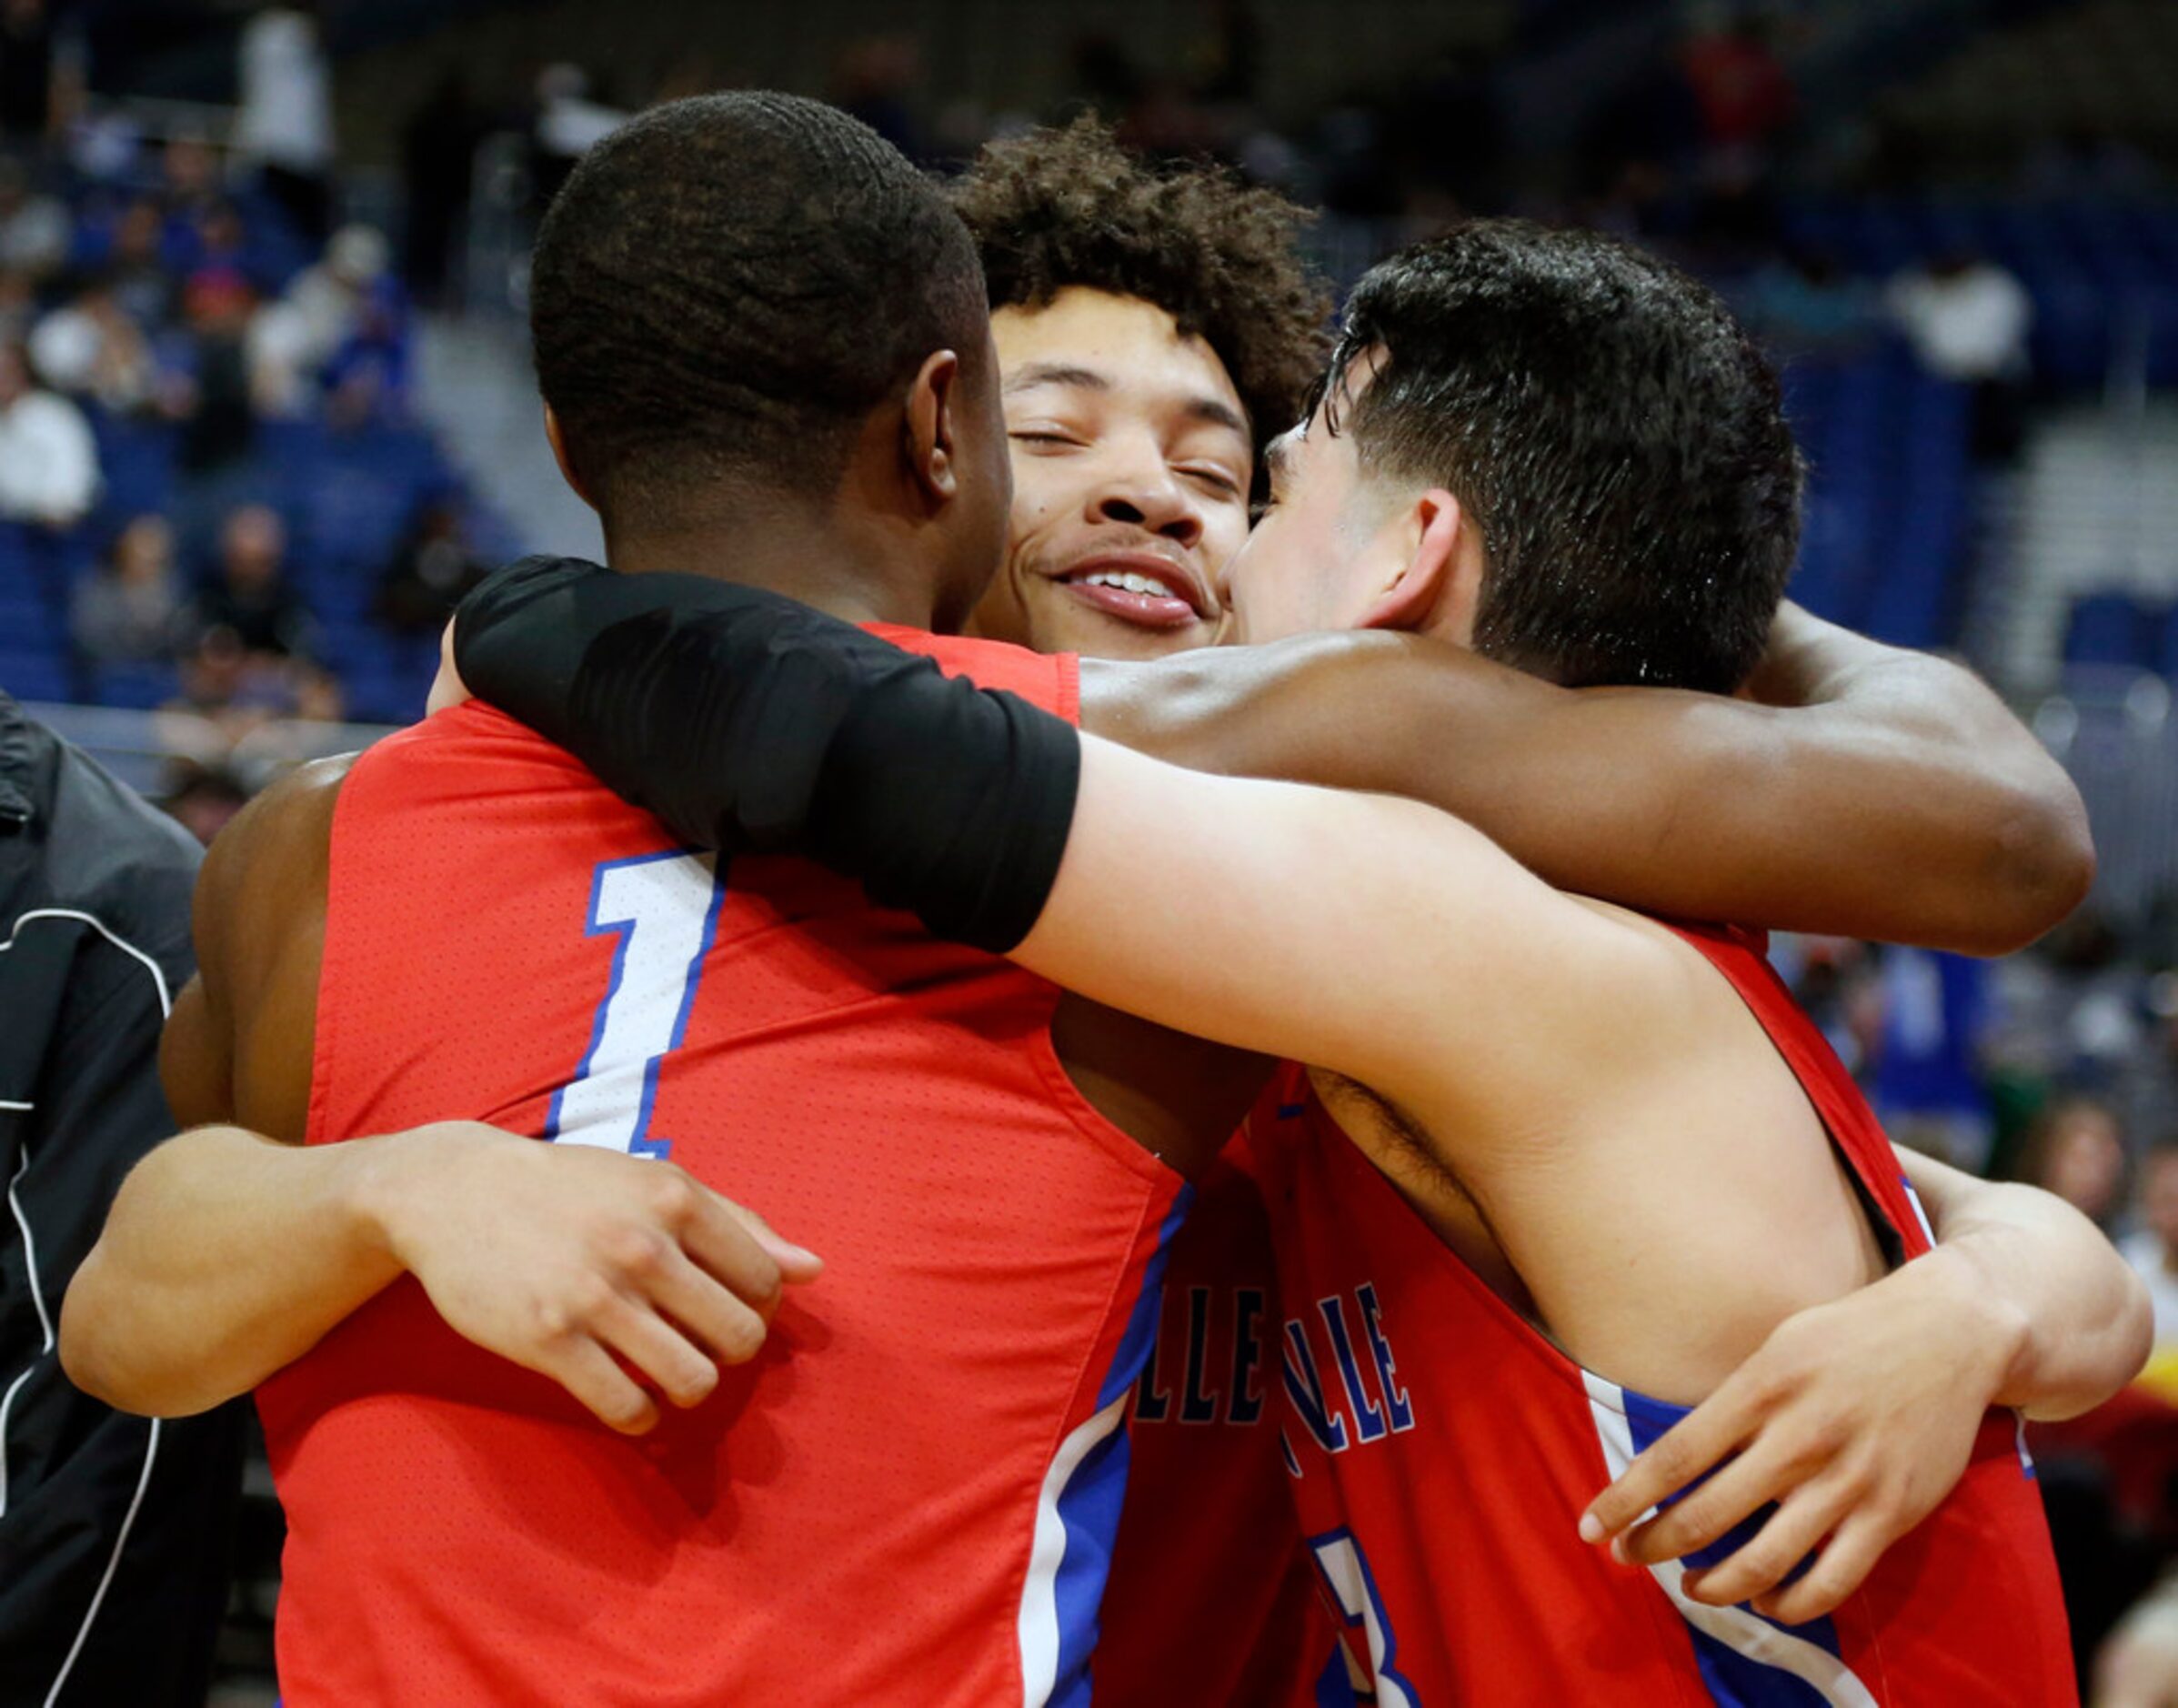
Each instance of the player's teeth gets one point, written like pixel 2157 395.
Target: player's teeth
pixel 1126 583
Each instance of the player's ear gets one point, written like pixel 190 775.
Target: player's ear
pixel 558 441
pixel 931 444
pixel 1426 536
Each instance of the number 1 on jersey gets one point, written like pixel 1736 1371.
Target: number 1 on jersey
pixel 664 909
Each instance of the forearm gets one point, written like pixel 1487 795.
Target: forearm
pixel 1903 803
pixel 2050 1288
pixel 225 1257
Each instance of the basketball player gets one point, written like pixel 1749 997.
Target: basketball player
pixel 1543 1137
pixel 1133 309
pixel 758 330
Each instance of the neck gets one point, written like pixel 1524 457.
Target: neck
pixel 823 560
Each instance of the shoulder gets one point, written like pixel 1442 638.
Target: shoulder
pixel 276 849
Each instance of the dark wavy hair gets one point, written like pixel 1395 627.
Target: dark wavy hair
pixel 1615 437
pixel 1069 206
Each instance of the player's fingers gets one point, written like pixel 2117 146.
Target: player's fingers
pixel 586 1370
pixel 1709 1511
pixel 630 1327
pixel 1841 1569
pixel 1691 1447
pixel 723 1244
pixel 797 1263
pixel 706 1310
pixel 1759 1565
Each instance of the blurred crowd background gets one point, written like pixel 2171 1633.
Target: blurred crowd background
pixel 266 412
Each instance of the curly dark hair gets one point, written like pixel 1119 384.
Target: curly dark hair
pixel 1069 206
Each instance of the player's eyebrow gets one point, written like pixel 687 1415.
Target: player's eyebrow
pixel 1277 459
pixel 1200 409
pixel 1056 374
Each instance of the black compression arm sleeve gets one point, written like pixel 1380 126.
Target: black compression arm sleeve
pixel 752 723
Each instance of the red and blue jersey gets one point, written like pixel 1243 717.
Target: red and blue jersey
pixel 1443 1452
pixel 1212 1598
pixel 911 1495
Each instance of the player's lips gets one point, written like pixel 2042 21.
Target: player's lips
pixel 1139 588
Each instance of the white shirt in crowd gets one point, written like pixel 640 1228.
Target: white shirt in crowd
pixel 287 114
pixel 1971 325
pixel 49 461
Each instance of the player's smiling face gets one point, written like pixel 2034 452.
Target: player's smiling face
pixel 1131 461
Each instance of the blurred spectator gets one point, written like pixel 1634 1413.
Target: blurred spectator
pixel 190 189
pixel 2153 1250
pixel 30 70
pixel 219 423
pixel 1968 320
pixel 2078 1151
pixel 1741 85
pixel 438 148
pixel 1928 1080
pixel 286 123
pixel 2138 1665
pixel 203 798
pixel 33 228
pixel 19 303
pixel 132 259
pixel 569 122
pixel 93 348
pixel 48 459
pixel 432 568
pixel 130 612
pixel 1808 306
pixel 345 302
pixel 251 598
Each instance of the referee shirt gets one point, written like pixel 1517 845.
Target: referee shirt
pixel 114 1529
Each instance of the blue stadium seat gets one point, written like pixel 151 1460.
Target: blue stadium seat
pixel 2111 628
pixel 35 675
pixel 135 687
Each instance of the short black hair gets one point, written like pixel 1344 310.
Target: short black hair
pixel 1065 207
pixel 728 284
pixel 1613 434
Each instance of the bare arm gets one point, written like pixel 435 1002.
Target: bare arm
pixel 1866 791
pixel 230 1253
pixel 1326 928
pixel 1858 1416
pixel 2078 1315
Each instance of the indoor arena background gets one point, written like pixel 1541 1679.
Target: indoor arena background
pixel 294 328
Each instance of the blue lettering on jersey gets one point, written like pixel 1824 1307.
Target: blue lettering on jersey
pixel 1248 1306
pixel 1201 1400
pixel 1352 1413
pixel 1304 1387
pixel 1372 1324
pixel 1195 1405
pixel 1369 1420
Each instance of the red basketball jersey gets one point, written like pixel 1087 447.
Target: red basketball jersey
pixel 911 1496
pixel 1212 1598
pixel 1444 1452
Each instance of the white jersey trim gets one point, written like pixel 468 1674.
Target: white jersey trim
pixel 1038 1626
pixel 1734 1627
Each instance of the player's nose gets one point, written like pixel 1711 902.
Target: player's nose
pixel 1149 498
